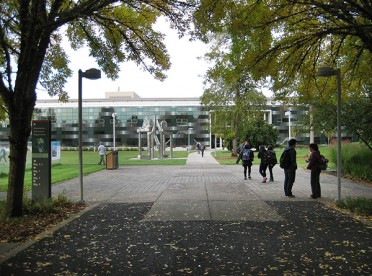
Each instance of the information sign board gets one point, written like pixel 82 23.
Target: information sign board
pixel 41 159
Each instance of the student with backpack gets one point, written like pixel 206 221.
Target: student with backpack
pixel 314 166
pixel 247 157
pixel 240 149
pixel 263 155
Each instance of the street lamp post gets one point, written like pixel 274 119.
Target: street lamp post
pixel 288 113
pixel 91 74
pixel 189 132
pixel 113 128
pixel 328 72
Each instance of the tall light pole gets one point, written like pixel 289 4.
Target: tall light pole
pixel 188 134
pixel 328 72
pixel 113 127
pixel 288 113
pixel 91 74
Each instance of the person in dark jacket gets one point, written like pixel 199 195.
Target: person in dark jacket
pixel 313 165
pixel 202 148
pixel 290 171
pixel 271 151
pixel 263 164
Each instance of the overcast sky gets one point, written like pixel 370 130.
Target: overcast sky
pixel 184 77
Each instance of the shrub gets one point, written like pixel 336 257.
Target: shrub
pixel 356 160
pixel 359 206
pixel 45 206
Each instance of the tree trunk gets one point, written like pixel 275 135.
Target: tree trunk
pixel 235 140
pixel 20 129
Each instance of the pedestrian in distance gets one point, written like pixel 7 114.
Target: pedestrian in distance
pixel 272 160
pixel 2 154
pixel 198 147
pixel 288 162
pixel 263 164
pixel 313 165
pixel 202 148
pixel 247 157
pixel 101 151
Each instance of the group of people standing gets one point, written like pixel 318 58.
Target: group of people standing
pixel 269 160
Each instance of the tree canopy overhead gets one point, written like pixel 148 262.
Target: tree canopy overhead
pixel 292 39
pixel 31 53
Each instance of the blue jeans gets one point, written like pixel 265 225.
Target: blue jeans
pixel 289 179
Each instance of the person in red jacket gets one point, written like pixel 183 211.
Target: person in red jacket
pixel 313 165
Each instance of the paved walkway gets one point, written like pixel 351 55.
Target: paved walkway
pixel 201 218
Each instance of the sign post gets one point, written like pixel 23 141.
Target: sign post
pixel 41 160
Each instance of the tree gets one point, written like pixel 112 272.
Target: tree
pixel 296 37
pixel 259 132
pixel 231 92
pixel 31 54
pixel 359 109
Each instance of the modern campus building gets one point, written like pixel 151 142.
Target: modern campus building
pixel 187 120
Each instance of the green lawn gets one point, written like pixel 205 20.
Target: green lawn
pixel 68 166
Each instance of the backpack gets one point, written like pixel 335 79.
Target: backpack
pixel 285 160
pixel 269 158
pixel 246 155
pixel 323 163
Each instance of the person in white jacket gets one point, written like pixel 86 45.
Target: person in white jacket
pixel 101 151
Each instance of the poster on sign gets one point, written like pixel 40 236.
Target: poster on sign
pixel 56 150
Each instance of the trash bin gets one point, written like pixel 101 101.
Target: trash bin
pixel 112 160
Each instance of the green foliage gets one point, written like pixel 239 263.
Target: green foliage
pixel 231 93
pixel 357 118
pixel 260 133
pixel 356 160
pixel 40 207
pixel 289 40
pixel 359 206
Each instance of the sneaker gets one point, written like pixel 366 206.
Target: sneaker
pixel 264 180
pixel 291 196
pixel 249 177
pixel 245 178
pixel 313 197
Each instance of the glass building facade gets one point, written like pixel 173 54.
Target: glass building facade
pixel 186 119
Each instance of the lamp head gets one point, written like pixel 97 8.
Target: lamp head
pixel 326 71
pixel 92 74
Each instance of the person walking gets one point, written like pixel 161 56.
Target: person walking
pixel 240 150
pixel 202 148
pixel 247 157
pixel 198 147
pixel 101 151
pixel 289 163
pixel 272 161
pixel 263 164
pixel 313 165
